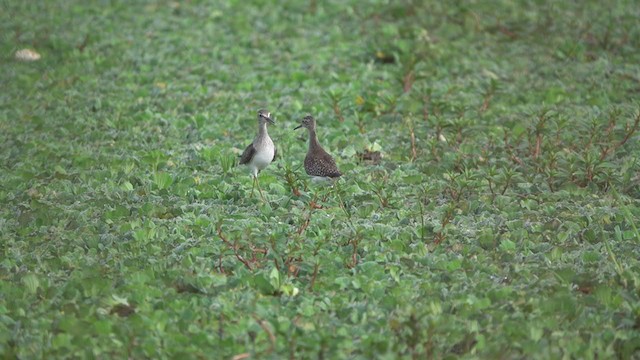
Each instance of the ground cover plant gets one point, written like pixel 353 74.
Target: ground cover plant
pixel 488 208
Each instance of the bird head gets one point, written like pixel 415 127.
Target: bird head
pixel 307 122
pixel 265 116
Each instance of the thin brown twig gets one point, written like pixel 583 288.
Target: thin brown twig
pixel 292 183
pixel 542 119
pixel 306 222
pixel 407 81
pixel 486 102
pixel 504 30
pixel 314 276
pixel 234 247
pixel 509 149
pixel 414 152
pixel 272 337
pixel 630 131
pixel 536 153
pixel 440 236
pixel 293 270
pixel 84 43
pixel 425 109
pixel 354 254
pixel 384 202
pixel 257 250
pixel 337 111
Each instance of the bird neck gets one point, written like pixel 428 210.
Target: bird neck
pixel 313 140
pixel 262 130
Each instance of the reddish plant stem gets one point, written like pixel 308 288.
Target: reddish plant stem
pixel 486 102
pixel 337 111
pixel 234 247
pixel 407 81
pixel 305 224
pixel 314 276
pixel 630 131
pixel 272 337
pixel 354 254
pixel 536 152
pixel 414 152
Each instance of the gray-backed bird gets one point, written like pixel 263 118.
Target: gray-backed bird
pixel 261 152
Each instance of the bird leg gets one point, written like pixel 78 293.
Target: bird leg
pixel 254 186
pixel 259 189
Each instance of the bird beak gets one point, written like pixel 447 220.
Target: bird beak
pixel 297 127
pixel 270 120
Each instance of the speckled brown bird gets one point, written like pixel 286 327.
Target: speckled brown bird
pixel 318 163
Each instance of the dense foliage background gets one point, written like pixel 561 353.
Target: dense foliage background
pixel 489 206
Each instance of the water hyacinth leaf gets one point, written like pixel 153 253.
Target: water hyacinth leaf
pixel 31 283
pixel 162 180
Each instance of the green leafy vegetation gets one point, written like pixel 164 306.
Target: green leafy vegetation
pixel 489 206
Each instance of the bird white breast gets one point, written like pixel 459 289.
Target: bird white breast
pixel 265 150
pixel 262 158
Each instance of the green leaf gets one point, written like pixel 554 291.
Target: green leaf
pixel 507 245
pixel 162 180
pixel 274 278
pixel 60 170
pixel 126 186
pixel 31 283
pixel 263 285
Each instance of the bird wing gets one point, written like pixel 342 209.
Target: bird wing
pixel 332 168
pixel 324 166
pixel 248 154
pixel 275 153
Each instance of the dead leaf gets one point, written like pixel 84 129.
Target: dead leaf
pixel 27 55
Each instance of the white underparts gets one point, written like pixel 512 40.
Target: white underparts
pixel 265 150
pixel 261 159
